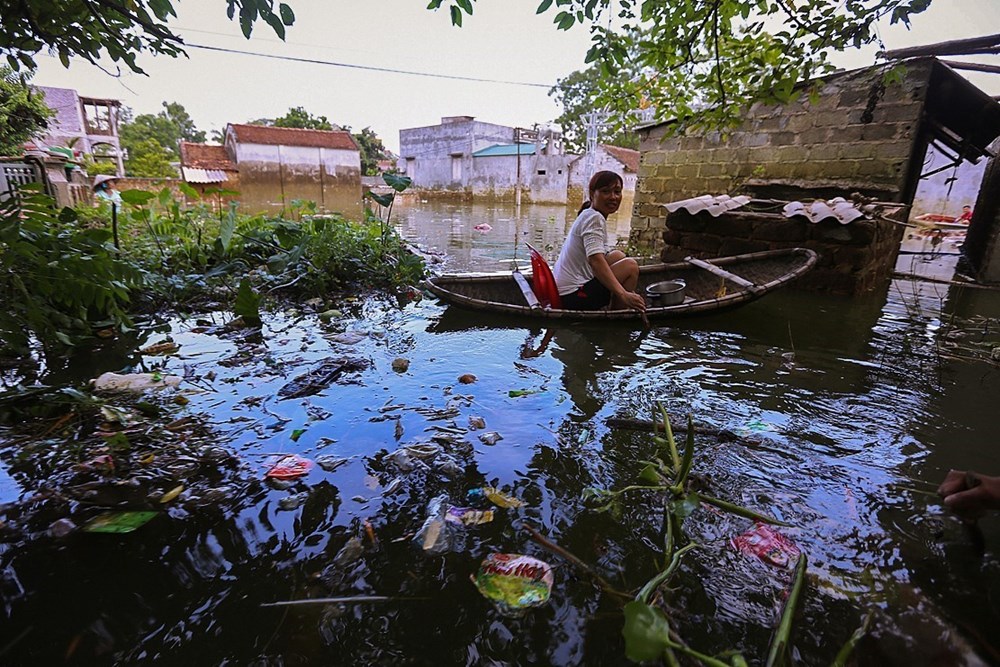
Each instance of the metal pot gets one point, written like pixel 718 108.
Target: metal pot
pixel 667 293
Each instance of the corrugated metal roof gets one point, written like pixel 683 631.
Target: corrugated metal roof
pixel 839 208
pixel 497 150
pixel 193 175
pixel 716 205
pixel 289 136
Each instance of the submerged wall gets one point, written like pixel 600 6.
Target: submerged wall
pixel 853 258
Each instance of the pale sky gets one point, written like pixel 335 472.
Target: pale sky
pixel 503 41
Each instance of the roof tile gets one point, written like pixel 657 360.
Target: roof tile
pixel 288 136
pixel 205 156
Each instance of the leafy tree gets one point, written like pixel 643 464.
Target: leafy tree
pixel 298 117
pixel 148 159
pixel 152 140
pixel 121 30
pixel 704 61
pixel 372 150
pixel 577 94
pixel 22 111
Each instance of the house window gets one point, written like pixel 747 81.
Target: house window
pixel 560 171
pixel 541 172
pixel 456 168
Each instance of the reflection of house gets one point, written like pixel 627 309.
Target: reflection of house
pixel 464 156
pixel 273 166
pixel 204 166
pixel 856 135
pixel 92 122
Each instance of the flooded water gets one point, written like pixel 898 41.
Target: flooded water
pixel 841 417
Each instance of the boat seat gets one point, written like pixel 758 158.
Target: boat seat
pixel 543 283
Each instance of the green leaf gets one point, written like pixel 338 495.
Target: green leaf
pixel 247 304
pixel 465 5
pixel 646 632
pixel 188 191
pixel 297 433
pixel 226 228
pixel 456 16
pixel 650 474
pixel 685 506
pixel 118 442
pixel 286 13
pixel 397 182
pixel 137 197
pixel 544 6
pixel 381 200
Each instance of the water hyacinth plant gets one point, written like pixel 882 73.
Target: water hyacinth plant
pixel 648 629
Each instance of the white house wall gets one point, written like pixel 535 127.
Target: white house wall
pixel 426 152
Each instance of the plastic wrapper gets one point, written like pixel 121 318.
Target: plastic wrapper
pixel 514 583
pixel 437 535
pixel 768 545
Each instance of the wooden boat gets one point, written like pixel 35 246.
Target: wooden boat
pixel 711 285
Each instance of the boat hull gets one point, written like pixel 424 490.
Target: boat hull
pixel 706 291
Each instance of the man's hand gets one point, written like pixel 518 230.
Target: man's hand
pixel 970 495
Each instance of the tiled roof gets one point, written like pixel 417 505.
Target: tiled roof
pixel 287 136
pixel 205 156
pixel 626 156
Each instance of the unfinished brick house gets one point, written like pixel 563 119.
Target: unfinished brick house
pixel 858 136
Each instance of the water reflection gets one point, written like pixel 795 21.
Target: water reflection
pixel 450 228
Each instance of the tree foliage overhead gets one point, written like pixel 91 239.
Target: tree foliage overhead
pixel 121 30
pixel 298 117
pixel 22 111
pixel 705 60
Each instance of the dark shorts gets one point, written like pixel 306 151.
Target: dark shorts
pixel 592 296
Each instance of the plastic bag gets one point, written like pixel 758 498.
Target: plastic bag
pixel 437 534
pixel 513 582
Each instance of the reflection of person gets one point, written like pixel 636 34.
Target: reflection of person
pixel 937 238
pixel 588 276
pixel 966 215
pixel 104 189
pixel 968 494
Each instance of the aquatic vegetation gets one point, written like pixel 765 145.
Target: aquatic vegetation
pixel 648 629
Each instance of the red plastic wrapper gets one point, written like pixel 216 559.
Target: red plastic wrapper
pixel 768 545
pixel 289 467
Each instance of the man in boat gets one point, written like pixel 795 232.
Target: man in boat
pixel 588 275
pixel 969 494
pixel 966 215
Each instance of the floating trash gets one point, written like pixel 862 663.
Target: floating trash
pixel 513 582
pixel 134 382
pixel 490 438
pixel 497 497
pixel 400 365
pixel 768 545
pixel 118 522
pixel 518 393
pixel 293 502
pixel 330 463
pixel 468 516
pixel 290 466
pixel 435 536
pixel 476 423
pixel 467 378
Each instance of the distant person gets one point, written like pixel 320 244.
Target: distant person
pixel 104 189
pixel 966 215
pixel 968 494
pixel 588 275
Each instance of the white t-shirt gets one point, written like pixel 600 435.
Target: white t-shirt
pixel 587 236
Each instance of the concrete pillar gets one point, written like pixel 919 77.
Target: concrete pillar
pixel 982 243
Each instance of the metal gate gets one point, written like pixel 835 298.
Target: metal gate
pixel 15 174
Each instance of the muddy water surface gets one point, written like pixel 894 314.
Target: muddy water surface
pixel 840 416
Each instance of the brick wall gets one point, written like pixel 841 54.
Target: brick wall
pixel 817 148
pixel 853 258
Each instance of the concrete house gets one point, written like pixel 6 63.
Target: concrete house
pixel 465 157
pixel 624 161
pixel 277 165
pixel 860 135
pixel 92 122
